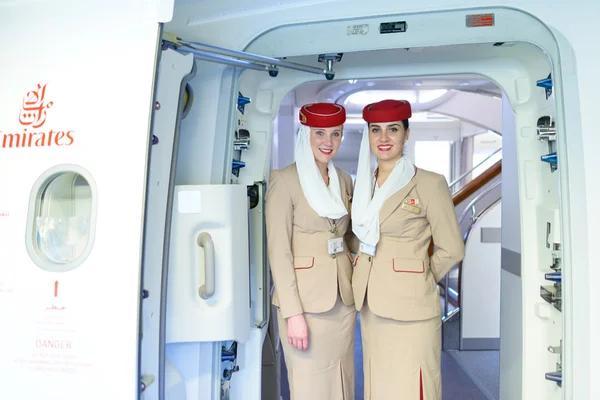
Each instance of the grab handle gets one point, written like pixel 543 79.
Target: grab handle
pixel 208 289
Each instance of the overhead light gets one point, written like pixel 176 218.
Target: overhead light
pixel 372 96
pixel 352 81
pixel 370 84
pixel 464 84
pixel 356 120
pixel 418 83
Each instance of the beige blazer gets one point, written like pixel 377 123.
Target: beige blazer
pixel 400 280
pixel 305 275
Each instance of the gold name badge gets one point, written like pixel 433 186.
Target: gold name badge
pixel 412 209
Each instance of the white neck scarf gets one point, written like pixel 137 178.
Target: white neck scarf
pixel 325 200
pixel 365 210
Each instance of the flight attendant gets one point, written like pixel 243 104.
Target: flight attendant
pixel 396 211
pixel 307 215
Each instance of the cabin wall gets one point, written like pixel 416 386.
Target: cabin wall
pixel 480 290
pixel 284 133
pixel 200 132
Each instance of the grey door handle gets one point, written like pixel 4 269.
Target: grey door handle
pixel 204 241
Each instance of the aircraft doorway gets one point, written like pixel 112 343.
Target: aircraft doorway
pixel 516 68
pixel 466 149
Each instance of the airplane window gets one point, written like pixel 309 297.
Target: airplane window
pixel 61 221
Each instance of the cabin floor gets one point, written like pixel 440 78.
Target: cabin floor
pixel 482 366
pixel 466 375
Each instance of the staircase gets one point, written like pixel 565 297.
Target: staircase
pixel 471 202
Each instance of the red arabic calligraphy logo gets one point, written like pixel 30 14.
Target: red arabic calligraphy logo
pixel 33 111
pixel 33 116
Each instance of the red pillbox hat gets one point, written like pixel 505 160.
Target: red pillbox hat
pixel 387 111
pixel 322 115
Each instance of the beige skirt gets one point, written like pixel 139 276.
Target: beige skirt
pixel 325 371
pixel 401 359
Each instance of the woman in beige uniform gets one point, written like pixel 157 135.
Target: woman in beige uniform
pixel 397 210
pixel 307 213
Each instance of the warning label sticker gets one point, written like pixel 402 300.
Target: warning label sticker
pixel 478 20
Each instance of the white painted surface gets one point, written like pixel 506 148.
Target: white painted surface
pixel 199 136
pixel 511 337
pixel 246 383
pixel 511 300
pixel 511 214
pixel 225 315
pixel 480 301
pixel 101 91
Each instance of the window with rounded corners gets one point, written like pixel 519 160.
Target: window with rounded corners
pixel 61 218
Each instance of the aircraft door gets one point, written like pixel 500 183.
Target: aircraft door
pixel 173 101
pixel 77 97
pixel 216 307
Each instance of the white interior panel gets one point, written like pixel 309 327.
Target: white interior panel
pixel 222 213
pixel 480 299
pixel 198 139
pixel 246 383
pixel 198 366
pixel 511 338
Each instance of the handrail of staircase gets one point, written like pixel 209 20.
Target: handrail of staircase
pixel 454 182
pixel 466 191
pixel 474 220
pixel 471 205
pixel 448 315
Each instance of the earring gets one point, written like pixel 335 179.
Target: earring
pixel 405 140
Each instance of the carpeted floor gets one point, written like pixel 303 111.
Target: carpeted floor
pixel 483 369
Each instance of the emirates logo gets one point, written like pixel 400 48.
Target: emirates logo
pixel 32 115
pixel 33 110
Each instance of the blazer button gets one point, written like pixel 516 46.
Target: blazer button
pixel 333 256
pixel 370 258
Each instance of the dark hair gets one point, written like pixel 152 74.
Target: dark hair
pixel 404 124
